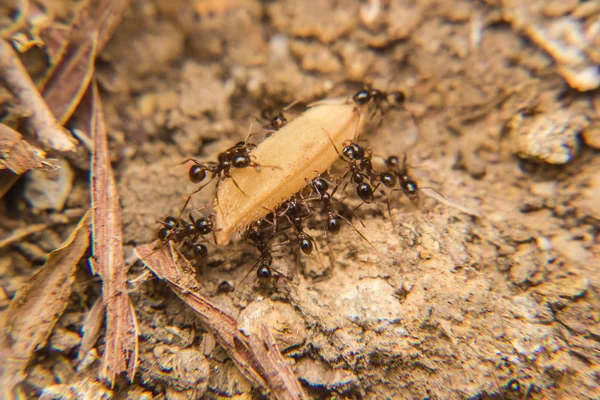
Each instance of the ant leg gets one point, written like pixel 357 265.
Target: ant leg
pixel 198 210
pixel 237 186
pixel 193 193
pixel 361 234
pixel 355 214
pixel 249 271
pixel 318 252
pixel 389 207
pixel 345 184
pixel 250 133
pixel 192 160
pixel 333 144
pixel 357 123
pixel 358 206
pixel 331 252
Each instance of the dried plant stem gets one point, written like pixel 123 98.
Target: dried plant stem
pixel 41 122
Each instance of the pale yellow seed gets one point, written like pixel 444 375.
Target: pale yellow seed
pixel 290 156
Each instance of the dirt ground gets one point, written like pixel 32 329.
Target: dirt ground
pixel 502 116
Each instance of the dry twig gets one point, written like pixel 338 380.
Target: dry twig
pixel 37 306
pixel 53 219
pixel 257 357
pixel 41 122
pixel 121 349
pixel 19 156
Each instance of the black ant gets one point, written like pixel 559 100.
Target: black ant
pixel 359 160
pixel 236 157
pixel 378 98
pixel 259 234
pixel 408 186
pixel 292 211
pixel 334 220
pixel 276 120
pixel 190 235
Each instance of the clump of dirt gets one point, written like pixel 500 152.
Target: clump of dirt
pixel 449 306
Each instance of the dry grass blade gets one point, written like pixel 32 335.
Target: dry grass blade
pixel 73 69
pixel 18 21
pixel 121 349
pixel 19 156
pixel 262 368
pixel 101 16
pixel 69 82
pixel 285 385
pixel 54 219
pixel 41 122
pixel 37 306
pixel 91 328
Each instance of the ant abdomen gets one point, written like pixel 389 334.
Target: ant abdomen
pixel 306 246
pixel 365 192
pixel 387 179
pixel 264 272
pixel 197 173
pixel 333 225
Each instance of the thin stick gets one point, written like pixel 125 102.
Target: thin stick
pixel 41 122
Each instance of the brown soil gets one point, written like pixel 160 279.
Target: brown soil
pixel 453 306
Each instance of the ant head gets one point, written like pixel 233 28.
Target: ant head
pixel 190 229
pixel 197 173
pixel 171 222
pixel 388 179
pixel 163 233
pixel 200 251
pixel 225 287
pixel 320 185
pixel 392 161
pixel 365 192
pixel 409 187
pixel 306 246
pixel 353 151
pixel 361 98
pixel 256 234
pixel 279 121
pixel 241 161
pixel 204 226
pixel 396 98
pixel 333 225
